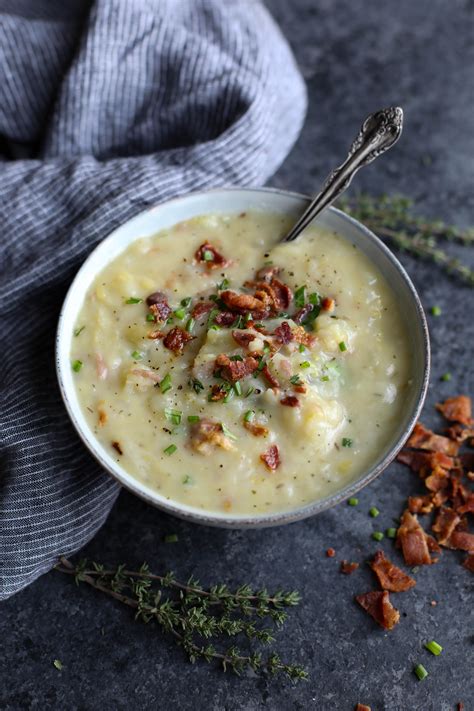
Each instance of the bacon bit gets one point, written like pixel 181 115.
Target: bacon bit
pixel 102 416
pixel 100 366
pixel 117 447
pixel 419 461
pixel 283 333
pixel 420 504
pixel 267 273
pixel 299 388
pixel 328 304
pixel 176 339
pixel 224 318
pixel 158 305
pixel 457 409
pixel 245 303
pixel 389 575
pixel 437 480
pixel 433 603
pixel 348 568
pixel 302 313
pixel 233 370
pixel 283 295
pixel 290 401
pixel 218 260
pixel 468 562
pixel 207 434
pixel 269 377
pixel 378 605
pixel 445 524
pixel 201 308
pixel 217 393
pixel 459 433
pixel 330 552
pixel 468 506
pixel 462 541
pixel 302 336
pixel 271 458
pixel 423 438
pixel 467 461
pixel 362 707
pixel 243 338
pixel 413 541
pixel 256 429
pixel 156 335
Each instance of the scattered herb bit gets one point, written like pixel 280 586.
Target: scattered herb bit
pixel 238 388
pixel 296 380
pixel 342 346
pixel 374 512
pixel 223 285
pixel 353 501
pixel 237 323
pixel 230 395
pixel 171 538
pixel 250 390
pixel 434 648
pixel 180 313
pixel 261 364
pixel 208 256
pixel 133 300
pixel 436 310
pixel 170 450
pixel 78 331
pixel 446 377
pixel 173 416
pixel 136 355
pixel 305 364
pixel 325 378
pixel 420 672
pixel 236 357
pixel 186 301
pixel 169 320
pixel 165 384
pixel 347 442
pixel 187 479
pixel 314 298
pixel 196 385
pixel 193 418
pixel 391 532
pixel 150 317
pixel 58 664
pixel 195 617
pixel 248 317
pixel 266 348
pixel 377 535
pixel 190 325
pixel 301 348
pixel 210 319
pixel 77 365
pixel 227 432
pixel 249 415
pixel 300 296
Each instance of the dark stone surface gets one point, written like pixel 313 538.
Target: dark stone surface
pixel 356 57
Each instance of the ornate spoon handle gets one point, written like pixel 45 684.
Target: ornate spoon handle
pixel 379 132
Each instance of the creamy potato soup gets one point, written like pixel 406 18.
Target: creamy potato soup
pixel 236 374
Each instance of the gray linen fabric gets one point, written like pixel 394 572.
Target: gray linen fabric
pixel 112 108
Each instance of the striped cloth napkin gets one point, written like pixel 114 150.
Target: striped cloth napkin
pixel 106 109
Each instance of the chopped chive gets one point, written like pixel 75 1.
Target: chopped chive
pixel 77 365
pixel 434 648
pixel 173 416
pixel 374 512
pixel 342 346
pixel 353 501
pixel 420 672
pixel 391 532
pixel 223 285
pixel 446 377
pixel 170 450
pixel 237 323
pixel 196 385
pixel 305 364
pixel 187 479
pixel 301 348
pixel 261 364
pixel 229 396
pixel 165 384
pixel 133 300
pixel 296 380
pixel 171 538
pixel 150 317
pixel 266 348
pixel 236 357
pixel 193 418
pixel 377 535
pixel 250 390
pixel 325 378
pixel 190 325
pixel 170 320
pixel 186 301
pixel 347 442
pixel 227 432
pixel 179 313
pixel 208 256
pixel 238 388
pixel 314 299
pixel 247 317
pixel 214 297
pixel 212 315
pixel 77 331
pixel 299 296
pixel 249 415
pixel 214 327
pixel 58 664
pixel 136 355
pixel 436 310
pixel 283 314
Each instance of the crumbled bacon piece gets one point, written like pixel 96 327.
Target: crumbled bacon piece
pixel 462 541
pixel 389 575
pixel 413 541
pixel 269 377
pixel 117 447
pixel 348 568
pixel 302 336
pixel 468 562
pixel 362 707
pixel 243 338
pixel 457 409
pixel 256 428
pixel 467 506
pixel 420 504
pixel 217 393
pixel 224 318
pixel 299 388
pixel 445 523
pixel 423 438
pixel 233 370
pixel 207 434
pixel 245 303
pixel 290 401
pixel 283 333
pixel 302 313
pixel 201 308
pixel 267 273
pixel 437 480
pixel 330 552
pixel 377 604
pixel 217 261
pixel 459 433
pixel 283 296
pixel 328 304
pixel 158 305
pixel 176 339
pixel 271 458
pixel 156 335
pixel 422 461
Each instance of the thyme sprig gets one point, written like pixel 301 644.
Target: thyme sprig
pixel 391 217
pixel 193 615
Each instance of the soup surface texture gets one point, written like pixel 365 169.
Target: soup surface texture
pixel 239 375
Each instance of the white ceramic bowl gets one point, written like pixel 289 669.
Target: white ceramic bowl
pixel 230 200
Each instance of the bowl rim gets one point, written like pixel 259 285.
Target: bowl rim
pixel 262 520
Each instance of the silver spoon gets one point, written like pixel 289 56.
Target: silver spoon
pixel 379 132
